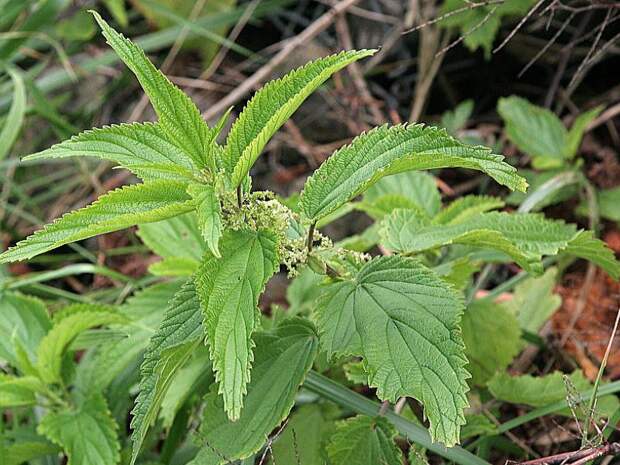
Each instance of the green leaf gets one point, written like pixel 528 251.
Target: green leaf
pixel 525 237
pixel 575 135
pixel 364 440
pixel 195 374
pixel 118 11
pixel 478 425
pixel 118 209
pixel 283 357
pixel 301 294
pixel 492 339
pixel 479 26
pixel 389 150
pixel 585 245
pixel 543 390
pixel 229 289
pixel 142 148
pixel 272 105
pixel 19 391
pixel 15 117
pixel 403 319
pixel 208 211
pixel 301 442
pixel 87 433
pixel 178 241
pixel 534 302
pixel 180 329
pixel 455 120
pixel 467 207
pixel 177 114
pixel 22 452
pixel 418 188
pixel 55 343
pixel 98 368
pixel 24 319
pixel 523 120
pixel 608 204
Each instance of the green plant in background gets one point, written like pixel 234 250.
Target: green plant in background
pixel 398 321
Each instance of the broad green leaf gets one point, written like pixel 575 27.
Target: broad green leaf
pixel 534 302
pixel 575 134
pixel 283 357
pixel 229 288
pixel 15 117
pixel 174 267
pixel 272 106
pixel 180 329
pixel 19 391
pixel 302 441
pixel 53 346
pixel 534 130
pixel 389 150
pixel 525 237
pixel 538 391
pixel 404 320
pixel 364 440
pixel 467 207
pixel 492 339
pixel 22 452
pixel 87 433
pixel 477 425
pixel 386 204
pixel 418 188
pixel 142 148
pixel 208 212
pixel 118 209
pixel 585 245
pixel 178 115
pixel 24 319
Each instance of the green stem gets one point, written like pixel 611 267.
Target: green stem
pixel 344 397
pixel 310 237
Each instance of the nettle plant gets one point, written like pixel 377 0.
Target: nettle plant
pixel 395 319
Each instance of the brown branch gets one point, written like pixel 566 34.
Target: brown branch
pixel 266 70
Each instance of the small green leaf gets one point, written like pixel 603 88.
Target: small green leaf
pixel 523 120
pixel 283 357
pixel 302 441
pixel 416 187
pixel 534 302
pixel 364 440
pixel 389 150
pixel 208 211
pixel 575 135
pixel 142 148
pixel 585 245
pixel 15 117
pixel 538 391
pixel 177 114
pixel 25 451
pixel 455 120
pixel 492 339
pixel 19 391
pixel 23 319
pixel 403 319
pixel 272 105
pixel 118 209
pixel 229 288
pixel 180 329
pixel 467 207
pixel 87 433
pixel 55 343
